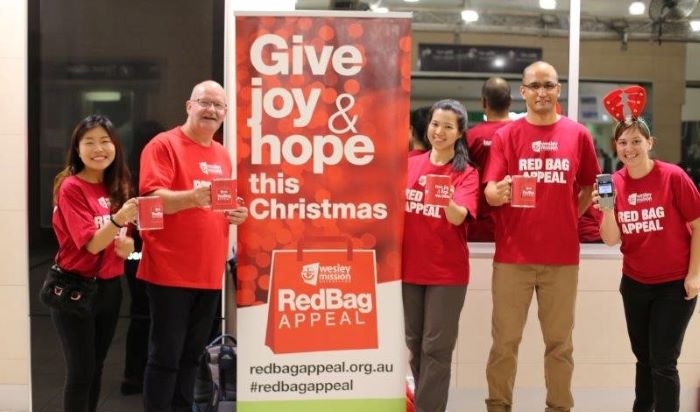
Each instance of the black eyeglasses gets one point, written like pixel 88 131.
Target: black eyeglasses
pixel 205 104
pixel 548 86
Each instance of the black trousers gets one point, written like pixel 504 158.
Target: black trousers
pixel 139 325
pixel 85 342
pixel 181 320
pixel 657 317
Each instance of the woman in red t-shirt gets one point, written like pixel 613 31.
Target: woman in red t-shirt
pixel 656 216
pixel 435 257
pixel 91 212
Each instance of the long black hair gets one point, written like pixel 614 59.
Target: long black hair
pixel 116 176
pixel 419 122
pixel 461 159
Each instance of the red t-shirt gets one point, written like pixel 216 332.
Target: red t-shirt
pixel 191 250
pixel 479 140
pixel 559 155
pixel 82 209
pixel 589 226
pixel 653 214
pixel 434 250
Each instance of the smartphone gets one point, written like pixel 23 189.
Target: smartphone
pixel 606 191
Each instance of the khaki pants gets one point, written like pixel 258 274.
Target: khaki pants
pixel 512 290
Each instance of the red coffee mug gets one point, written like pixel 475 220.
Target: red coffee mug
pixel 523 191
pixel 224 194
pixel 437 190
pixel 150 215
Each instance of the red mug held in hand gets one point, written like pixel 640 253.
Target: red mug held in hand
pixel 224 194
pixel 437 190
pixel 523 191
pixel 150 215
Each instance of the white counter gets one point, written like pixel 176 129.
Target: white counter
pixel 601 348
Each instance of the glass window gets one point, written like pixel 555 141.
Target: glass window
pixel 136 62
pixel 132 61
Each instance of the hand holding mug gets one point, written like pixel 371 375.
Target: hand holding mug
pixel 201 196
pixel 503 189
pixel 127 213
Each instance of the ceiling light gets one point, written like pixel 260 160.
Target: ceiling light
pixel 470 16
pixel 695 25
pixel 411 1
pixel 548 4
pixel 378 8
pixel 103 96
pixel 637 8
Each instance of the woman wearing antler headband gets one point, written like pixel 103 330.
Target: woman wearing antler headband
pixel 656 216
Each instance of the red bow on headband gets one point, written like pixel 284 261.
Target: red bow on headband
pixel 636 100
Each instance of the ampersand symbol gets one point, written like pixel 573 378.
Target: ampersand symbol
pixel 342 111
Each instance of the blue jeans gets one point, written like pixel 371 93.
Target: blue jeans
pixel 657 316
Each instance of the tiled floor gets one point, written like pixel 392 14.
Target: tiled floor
pixel 586 400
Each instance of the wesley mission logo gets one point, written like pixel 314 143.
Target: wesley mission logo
pixel 314 273
pixel 540 146
pixel 104 202
pixel 636 198
pixel 207 168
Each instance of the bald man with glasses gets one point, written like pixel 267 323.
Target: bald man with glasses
pixel 537 249
pixel 182 264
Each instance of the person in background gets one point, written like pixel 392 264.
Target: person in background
pixel 136 350
pixel 183 263
pixel 90 218
pixel 656 218
pixel 495 100
pixel 417 140
pixel 435 255
pixel 537 249
pixel 589 226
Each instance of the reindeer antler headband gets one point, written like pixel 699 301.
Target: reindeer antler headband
pixel 633 104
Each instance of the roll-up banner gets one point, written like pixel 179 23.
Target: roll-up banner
pixel 322 103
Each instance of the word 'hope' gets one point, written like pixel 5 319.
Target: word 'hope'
pixel 323 151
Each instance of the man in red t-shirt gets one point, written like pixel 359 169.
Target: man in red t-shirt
pixel 537 249
pixel 183 263
pixel 495 99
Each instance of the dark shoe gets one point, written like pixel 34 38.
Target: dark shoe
pixel 131 387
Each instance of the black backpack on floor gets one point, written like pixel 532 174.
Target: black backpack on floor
pixel 215 383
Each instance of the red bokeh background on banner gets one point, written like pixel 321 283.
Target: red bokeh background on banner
pixel 381 92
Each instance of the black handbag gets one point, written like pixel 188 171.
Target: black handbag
pixel 68 292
